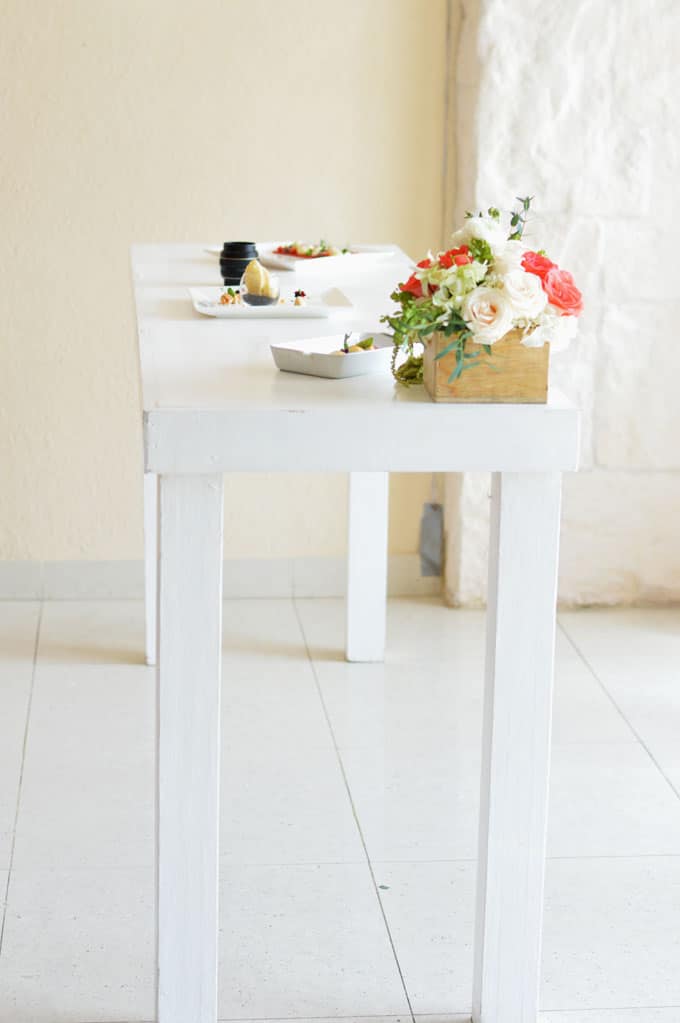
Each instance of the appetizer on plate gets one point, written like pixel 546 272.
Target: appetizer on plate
pixel 303 250
pixel 258 287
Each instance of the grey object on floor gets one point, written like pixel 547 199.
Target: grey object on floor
pixel 431 539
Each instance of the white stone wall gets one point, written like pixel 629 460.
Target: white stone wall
pixel 575 104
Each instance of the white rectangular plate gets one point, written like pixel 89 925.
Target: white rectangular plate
pixel 207 302
pixel 359 257
pixel 313 356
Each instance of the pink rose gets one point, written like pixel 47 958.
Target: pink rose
pixel 562 292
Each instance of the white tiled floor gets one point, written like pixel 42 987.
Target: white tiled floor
pixel 349 816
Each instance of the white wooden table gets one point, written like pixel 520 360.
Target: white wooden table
pixel 214 403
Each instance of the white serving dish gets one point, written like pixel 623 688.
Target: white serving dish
pixel 318 307
pixel 358 257
pixel 313 356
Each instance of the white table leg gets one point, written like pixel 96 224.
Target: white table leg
pixel 150 563
pixel 188 673
pixel 367 566
pixel 523 556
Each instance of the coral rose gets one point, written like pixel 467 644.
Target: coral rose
pixel 535 263
pixel 562 292
pixel 414 286
pixel 460 256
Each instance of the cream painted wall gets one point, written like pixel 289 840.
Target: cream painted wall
pixel 159 120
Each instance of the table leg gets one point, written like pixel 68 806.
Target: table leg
pixel 150 563
pixel 188 674
pixel 523 556
pixel 367 566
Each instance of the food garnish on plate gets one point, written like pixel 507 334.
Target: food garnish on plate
pixel 365 345
pixel 303 250
pixel 230 297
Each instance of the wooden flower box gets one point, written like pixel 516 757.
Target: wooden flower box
pixel 512 373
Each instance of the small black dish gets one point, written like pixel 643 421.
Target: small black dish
pixel 239 250
pixel 260 299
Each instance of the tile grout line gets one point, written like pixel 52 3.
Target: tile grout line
pixel 614 704
pixel 29 704
pixel 353 809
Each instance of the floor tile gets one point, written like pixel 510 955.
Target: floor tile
pixel 257 631
pixel 635 653
pixel 610 800
pixel 430 913
pixel 78 946
pixel 87 790
pixel 415 805
pixel 274 706
pixel 18 626
pixel 611 935
pixel 404 1018
pixel 582 711
pixel 92 632
pixel 440 703
pixel 387 706
pixel 305 942
pixel 286 806
pixel 418 630
pixel 448 1018
pixel 95 814
pixel 79 709
pixel 605 800
pixel 667 756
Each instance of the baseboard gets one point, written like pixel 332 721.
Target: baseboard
pixel 250 577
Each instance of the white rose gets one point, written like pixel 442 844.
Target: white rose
pixel 486 229
pixel 509 258
pixel 526 294
pixel 488 313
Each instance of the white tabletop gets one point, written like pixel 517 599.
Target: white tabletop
pixel 206 381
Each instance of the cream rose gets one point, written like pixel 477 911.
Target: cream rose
pixel 488 312
pixel 526 294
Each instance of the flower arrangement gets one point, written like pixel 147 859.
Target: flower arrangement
pixel 486 285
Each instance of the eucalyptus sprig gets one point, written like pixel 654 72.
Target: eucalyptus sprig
pixel 519 218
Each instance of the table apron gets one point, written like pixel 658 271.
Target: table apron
pixel 423 438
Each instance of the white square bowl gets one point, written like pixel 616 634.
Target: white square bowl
pixel 314 357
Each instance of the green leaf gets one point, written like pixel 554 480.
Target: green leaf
pixel 487 349
pixel 456 372
pixel 480 250
pixel 445 351
pixel 366 343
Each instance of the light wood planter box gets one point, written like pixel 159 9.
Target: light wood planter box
pixel 512 373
